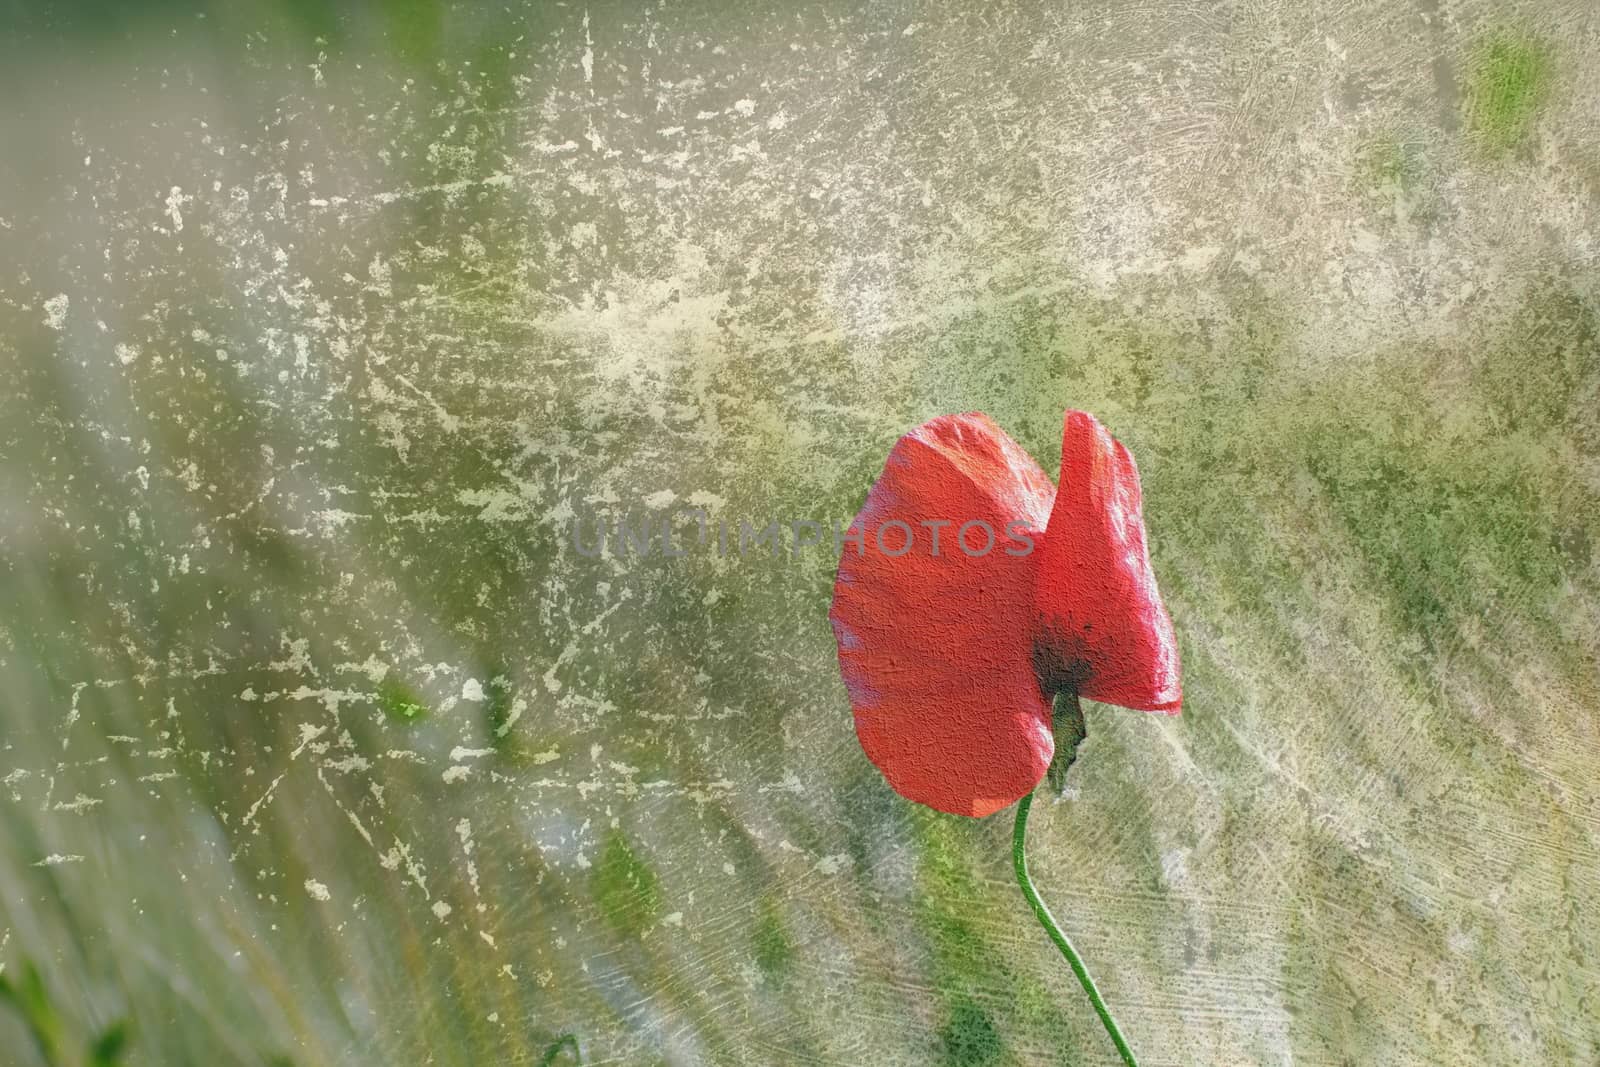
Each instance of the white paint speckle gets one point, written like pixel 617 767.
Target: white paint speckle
pixel 1174 865
pixel 701 498
pixel 588 50
pixel 495 505
pixel 317 891
pixel 55 311
pixel 176 200
pixel 1198 258
pixel 833 864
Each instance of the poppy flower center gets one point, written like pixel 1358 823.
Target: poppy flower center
pixel 1060 663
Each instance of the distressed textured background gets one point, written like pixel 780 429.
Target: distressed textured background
pixel 321 744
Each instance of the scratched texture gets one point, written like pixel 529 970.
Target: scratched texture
pixel 320 743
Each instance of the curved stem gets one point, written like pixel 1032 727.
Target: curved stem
pixel 1019 856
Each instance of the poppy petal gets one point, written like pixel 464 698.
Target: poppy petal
pixel 1102 626
pixel 936 646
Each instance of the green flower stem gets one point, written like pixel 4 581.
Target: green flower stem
pixel 1019 855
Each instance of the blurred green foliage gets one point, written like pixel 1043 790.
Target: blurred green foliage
pixel 29 997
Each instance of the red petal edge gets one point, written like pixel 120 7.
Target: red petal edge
pixel 937 651
pixel 1102 625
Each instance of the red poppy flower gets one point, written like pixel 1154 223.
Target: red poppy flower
pixel 976 592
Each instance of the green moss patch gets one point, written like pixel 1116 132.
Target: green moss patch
pixel 982 994
pixel 627 890
pixel 399 703
pixel 1508 81
pixel 969 1038
pixel 774 950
